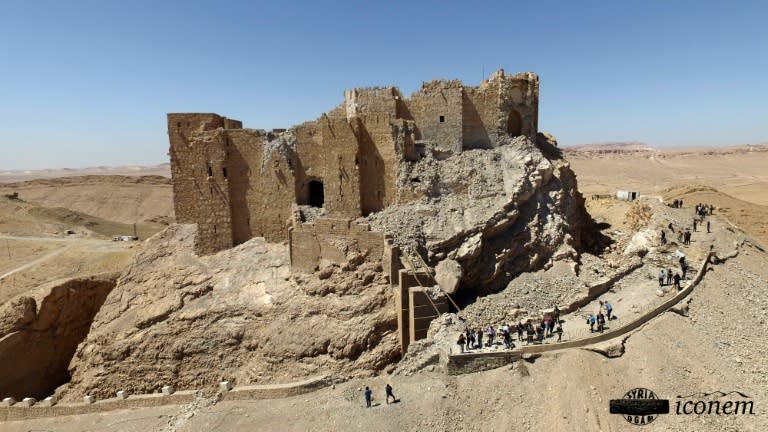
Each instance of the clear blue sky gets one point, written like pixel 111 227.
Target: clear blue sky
pixel 86 83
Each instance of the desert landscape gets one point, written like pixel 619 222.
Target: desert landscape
pixel 677 353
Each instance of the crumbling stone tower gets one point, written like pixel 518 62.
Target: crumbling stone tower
pixel 238 183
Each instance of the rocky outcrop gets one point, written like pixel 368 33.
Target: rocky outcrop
pixel 239 315
pixel 36 346
pixel 497 212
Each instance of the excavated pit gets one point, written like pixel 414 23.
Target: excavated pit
pixel 37 344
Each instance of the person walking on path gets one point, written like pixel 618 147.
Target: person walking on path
pixel 676 279
pixel 591 321
pixel 661 278
pixel 708 231
pixel 388 390
pixel 608 310
pixel 601 322
pixel 694 225
pixel 369 396
pixel 669 276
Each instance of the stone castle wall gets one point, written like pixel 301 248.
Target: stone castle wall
pixel 238 183
pixel 329 240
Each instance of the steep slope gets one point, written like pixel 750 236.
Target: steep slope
pixel 238 315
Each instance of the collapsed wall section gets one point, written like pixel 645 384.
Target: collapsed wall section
pixel 332 240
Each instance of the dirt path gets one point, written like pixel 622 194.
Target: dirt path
pixel 37 261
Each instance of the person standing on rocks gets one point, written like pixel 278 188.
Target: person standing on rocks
pixel 556 314
pixel 388 390
pixel 520 329
pixel 369 396
pixel 480 338
pixel 676 279
pixel 470 338
pixel 591 321
pixel 694 225
pixel 601 322
pixel 661 278
pixel 669 276
pixel 461 342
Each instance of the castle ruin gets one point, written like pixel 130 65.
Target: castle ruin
pixel 238 183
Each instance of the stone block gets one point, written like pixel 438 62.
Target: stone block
pixel 28 402
pixel 225 386
pixel 9 401
pixel 49 401
pixel 168 390
pixel 88 399
pixel 122 394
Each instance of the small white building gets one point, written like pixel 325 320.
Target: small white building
pixel 627 195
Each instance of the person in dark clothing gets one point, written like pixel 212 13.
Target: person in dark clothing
pixel 600 322
pixel 708 231
pixel 388 390
pixel 368 397
pixel 694 225
pixel 676 280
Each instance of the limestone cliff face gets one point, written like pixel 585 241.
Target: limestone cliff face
pixel 496 212
pixel 176 318
pixel 36 345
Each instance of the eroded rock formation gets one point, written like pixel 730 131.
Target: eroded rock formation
pixel 238 315
pixel 36 345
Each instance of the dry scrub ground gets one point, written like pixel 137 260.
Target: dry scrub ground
pixel 720 345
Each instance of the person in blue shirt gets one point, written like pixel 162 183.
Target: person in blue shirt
pixel 368 397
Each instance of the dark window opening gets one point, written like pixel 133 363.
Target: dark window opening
pixel 514 123
pixel 316 194
pixel 224 171
pixel 210 170
pixel 214 229
pixel 442 119
pixel 178 124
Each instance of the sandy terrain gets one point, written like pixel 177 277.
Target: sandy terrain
pixel 719 346
pixel 116 198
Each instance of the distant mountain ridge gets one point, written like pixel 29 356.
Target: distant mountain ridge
pixel 621 146
pixel 9 176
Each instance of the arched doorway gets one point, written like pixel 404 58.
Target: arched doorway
pixel 316 193
pixel 514 123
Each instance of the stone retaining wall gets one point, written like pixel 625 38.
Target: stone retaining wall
pixel 270 391
pixel 467 363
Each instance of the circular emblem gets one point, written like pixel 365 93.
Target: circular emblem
pixel 644 402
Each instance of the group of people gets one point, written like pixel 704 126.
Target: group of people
pixel 667 278
pixel 597 321
pixel 368 393
pixel 527 332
